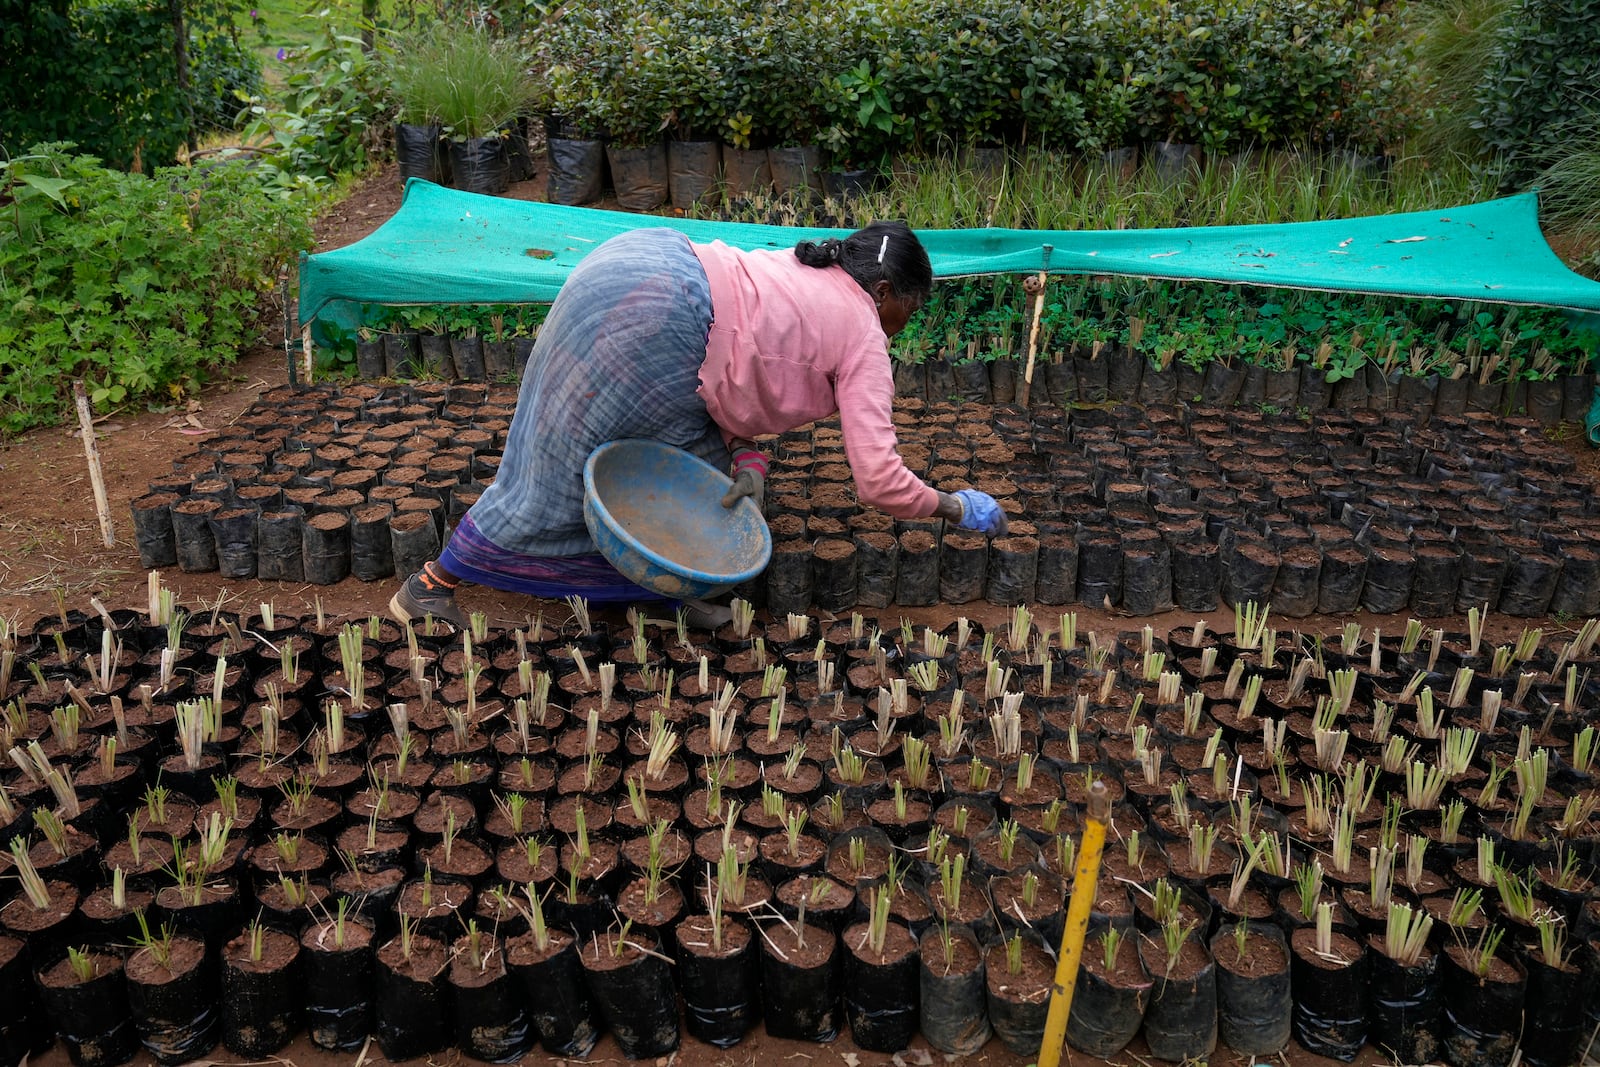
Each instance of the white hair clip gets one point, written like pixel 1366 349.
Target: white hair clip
pixel 883 248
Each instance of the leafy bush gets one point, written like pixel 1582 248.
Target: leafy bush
pixel 139 285
pixel 101 75
pixel 104 76
pixel 869 78
pixel 224 74
pixel 1541 84
pixel 329 116
pixel 1200 322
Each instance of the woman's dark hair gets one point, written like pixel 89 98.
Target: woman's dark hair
pixel 866 257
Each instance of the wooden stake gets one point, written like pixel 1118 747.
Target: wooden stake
pixel 309 351
pixel 1034 285
pixel 91 452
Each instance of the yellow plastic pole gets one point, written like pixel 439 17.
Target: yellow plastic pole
pixel 1083 885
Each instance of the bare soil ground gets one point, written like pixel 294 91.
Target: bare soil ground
pixel 50 540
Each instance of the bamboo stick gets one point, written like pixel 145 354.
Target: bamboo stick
pixel 91 453
pixel 1035 286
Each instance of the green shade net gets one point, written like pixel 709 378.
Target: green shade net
pixel 449 247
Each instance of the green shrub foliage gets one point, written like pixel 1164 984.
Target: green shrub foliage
pixel 104 76
pixel 872 77
pixel 225 74
pixel 1198 323
pixel 140 285
pixel 325 120
pixel 1542 88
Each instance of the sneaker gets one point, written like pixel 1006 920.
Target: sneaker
pixel 415 601
pixel 703 615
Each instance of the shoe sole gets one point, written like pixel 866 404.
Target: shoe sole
pixel 404 616
pixel 399 612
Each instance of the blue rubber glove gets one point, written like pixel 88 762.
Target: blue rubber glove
pixel 981 513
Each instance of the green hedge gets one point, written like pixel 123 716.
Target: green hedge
pixel 104 76
pixel 1542 88
pixel 140 285
pixel 873 77
pixel 1198 323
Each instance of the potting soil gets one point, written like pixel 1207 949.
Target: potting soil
pixel 1140 510
pixel 462 766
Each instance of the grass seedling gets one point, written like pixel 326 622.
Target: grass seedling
pixel 582 848
pixel 158 944
pixel 1253 851
pixel 1382 721
pixel 1380 874
pixel 850 767
pixel 1405 934
pixel 1516 894
pixel 1202 844
pixel 1249 623
pixel 1397 755
pixel 978 775
pixel 256 935
pixel 1030 888
pixel 1481 953
pixel 1154 663
pixel 1532 774
pixel 1427 716
pixel 1025 769
pixel 1014 954
pixel 1580 808
pixel 924 674
pixel 408 933
pixel 744 614
pixel 1413 686
pixel 190 719
pixel 1552 939
pixel 732 877
pixel 1464 907
pixel 1424 785
pixel 1219 770
pixel 1010 830
pixel 1165 902
pixel 1358 782
pixel 1230 684
pixel 1110 943
pixel 33 886
pixel 1329 747
pixel 662 745
pixel 1174 935
pixel 352 664
pixel 1325 930
pixel 81 964
pixel 773 804
pixel 1584 749
pixel 1450 818
pixel 287 846
pixel 1416 852
pixel 1308 883
pixel 533 850
pixel 1455 754
pixel 54 830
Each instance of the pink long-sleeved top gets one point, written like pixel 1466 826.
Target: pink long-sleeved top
pixel 791 344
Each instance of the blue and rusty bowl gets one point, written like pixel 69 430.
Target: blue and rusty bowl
pixel 655 512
